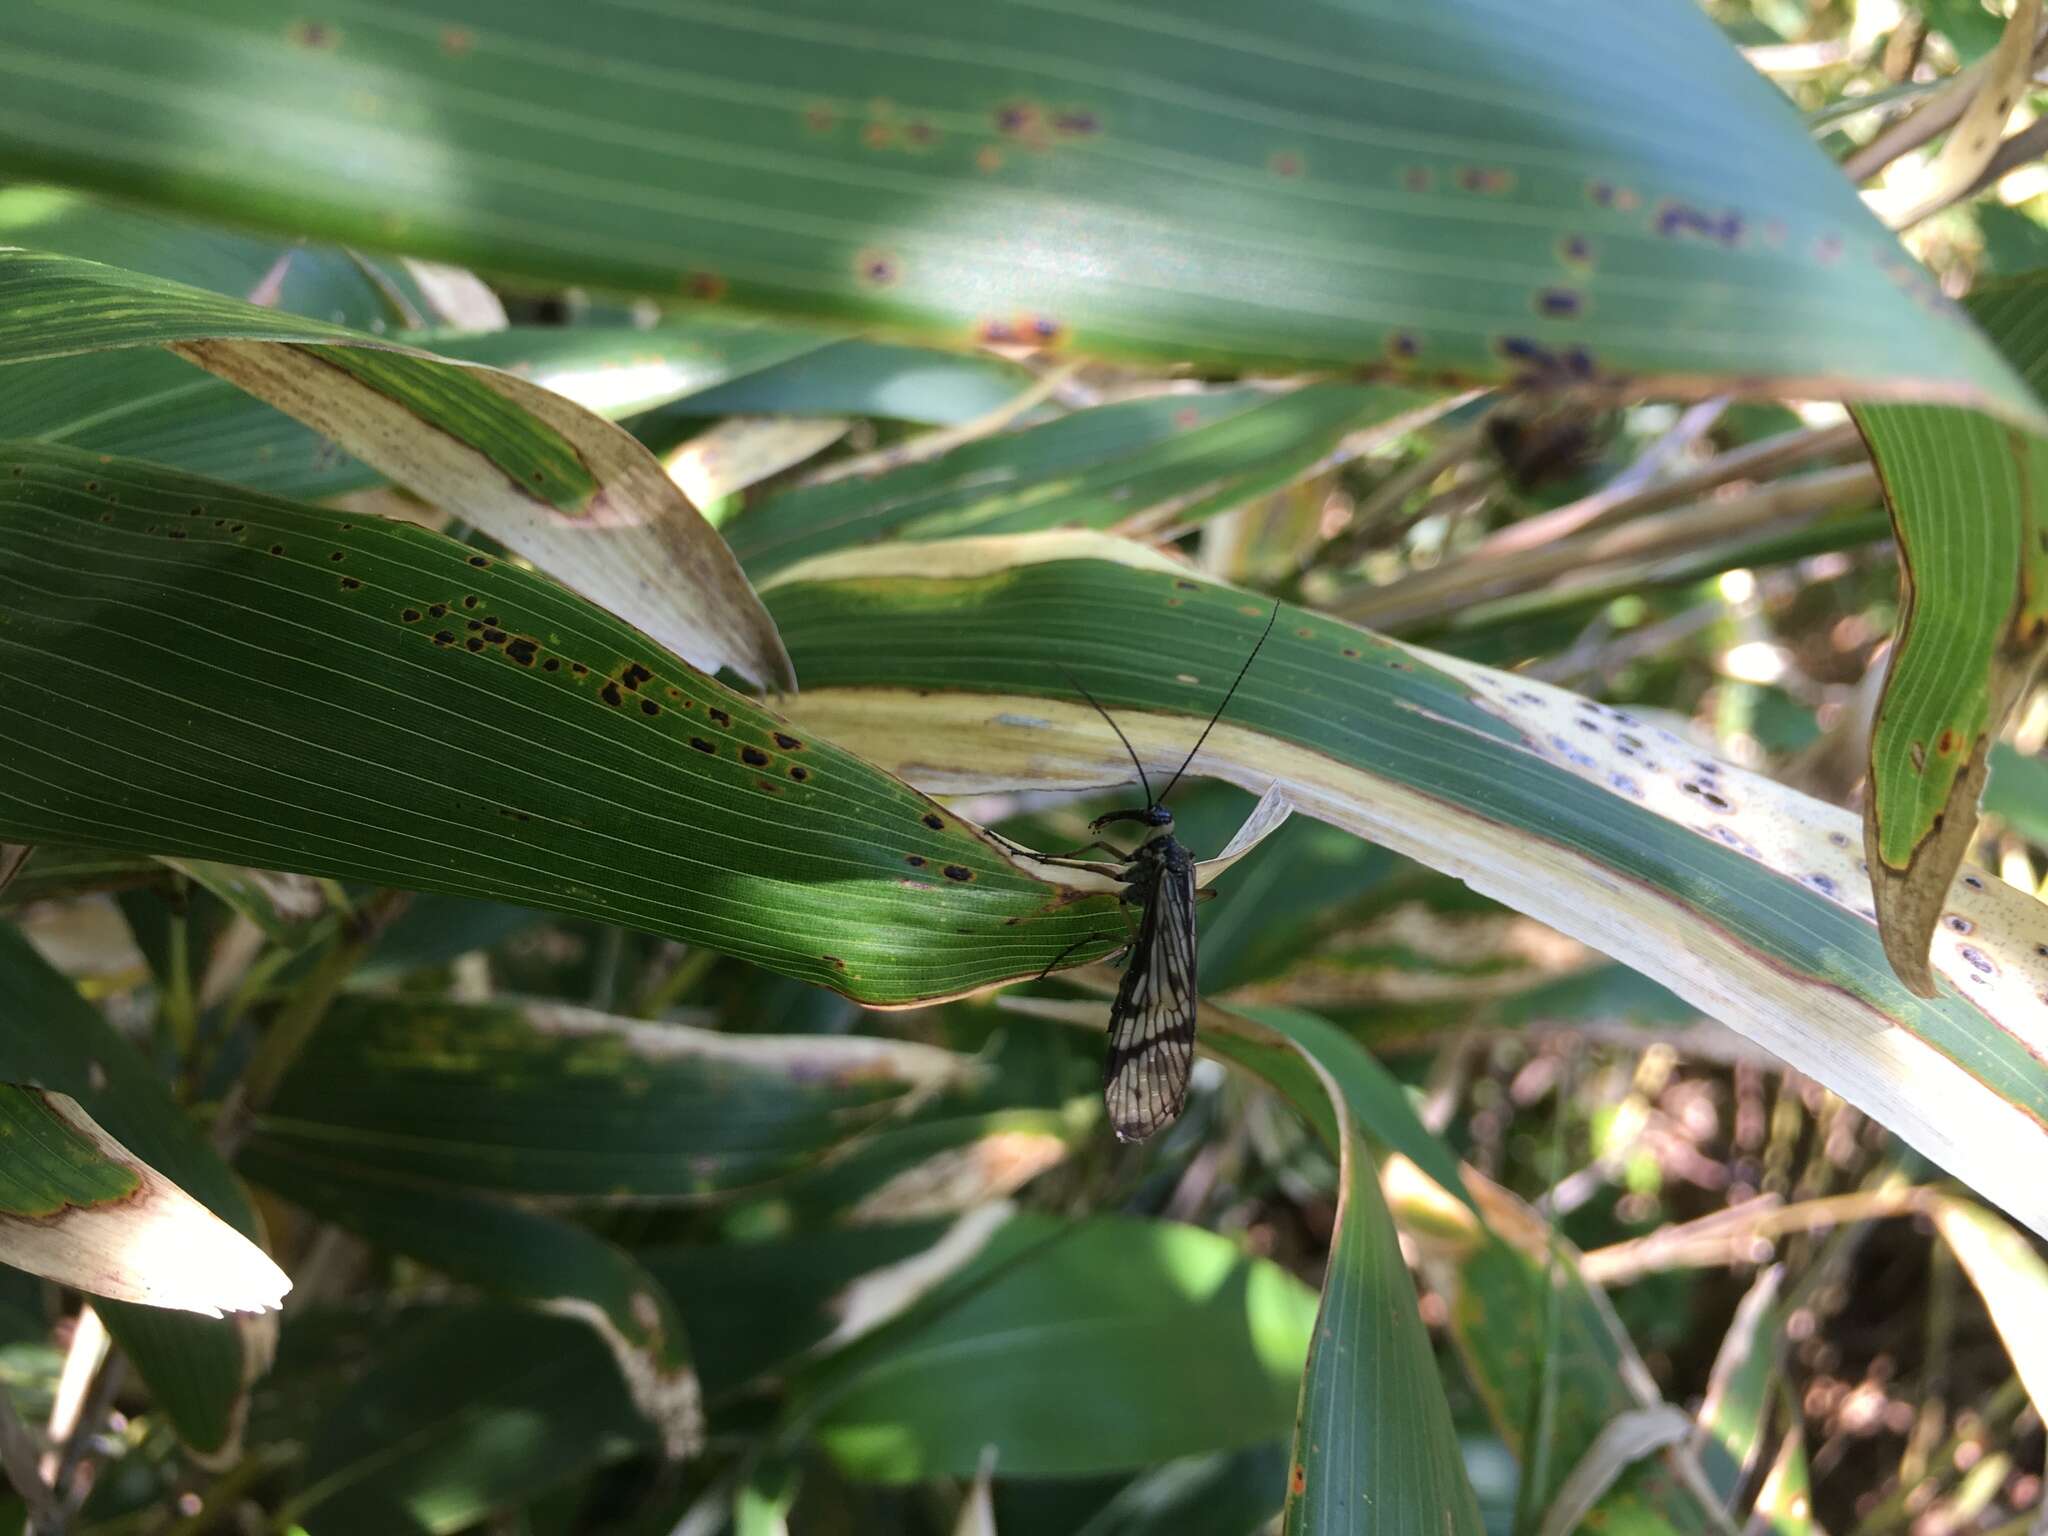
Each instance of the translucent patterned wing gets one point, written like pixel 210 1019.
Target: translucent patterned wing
pixel 1152 1025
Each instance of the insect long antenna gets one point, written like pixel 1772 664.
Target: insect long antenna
pixel 1183 768
pixel 1120 736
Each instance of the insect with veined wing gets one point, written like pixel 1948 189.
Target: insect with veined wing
pixel 1152 1022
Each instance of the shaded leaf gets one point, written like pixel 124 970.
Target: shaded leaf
pixel 1331 188
pixel 575 494
pixel 481 1407
pixel 516 1252
pixel 561 1104
pixel 1121 1343
pixel 551 756
pixel 1172 458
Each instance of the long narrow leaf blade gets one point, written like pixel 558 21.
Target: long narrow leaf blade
pixel 1607 190
pixel 190 669
pixel 1742 896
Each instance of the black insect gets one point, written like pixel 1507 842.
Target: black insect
pixel 1152 1023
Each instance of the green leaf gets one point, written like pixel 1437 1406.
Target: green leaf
pixel 141 404
pixel 566 1105
pixel 85 1212
pixel 1226 1493
pixel 1371 1097
pixel 1969 502
pixel 224 702
pixel 477 1408
pixel 1742 896
pixel 1121 1343
pixel 1741 1390
pixel 1614 192
pixel 565 487
pixel 760 1307
pixel 516 1252
pixel 281 272
pixel 1373 1443
pixel 197 1368
pixel 2017 794
pixel 1519 1308
pixel 1172 458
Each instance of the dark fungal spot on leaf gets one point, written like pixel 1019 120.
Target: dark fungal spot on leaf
pixel 523 650
pixel 879 269
pixel 442 637
pixel 494 636
pixel 1403 345
pixel 1559 303
pixel 958 872
pixel 767 786
pixel 515 815
pixel 409 615
pixel 611 695
pixel 469 602
pixel 92 485
pixel 719 716
pixel 479 561
pixel 438 611
pixel 349 584
pixel 787 742
pixel 634 676
pixel 474 643
pixel 701 744
pixel 177 533
pixel 277 549
pixel 490 618
pixel 552 664
pixel 933 820
pixel 336 555
pixel 1955 922
pixel 1488 180
pixel 474 626
pixel 799 772
pixel 579 669
pixel 649 707
pixel 753 757
pixel 915 860
pixel 834 961
pixel 1351 652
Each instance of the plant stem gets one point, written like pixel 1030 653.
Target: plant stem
pixel 301 1015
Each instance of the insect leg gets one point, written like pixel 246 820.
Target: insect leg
pixel 1116 853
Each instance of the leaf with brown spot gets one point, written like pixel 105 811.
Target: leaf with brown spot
pixel 1969 504
pixel 1744 897
pixel 547 477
